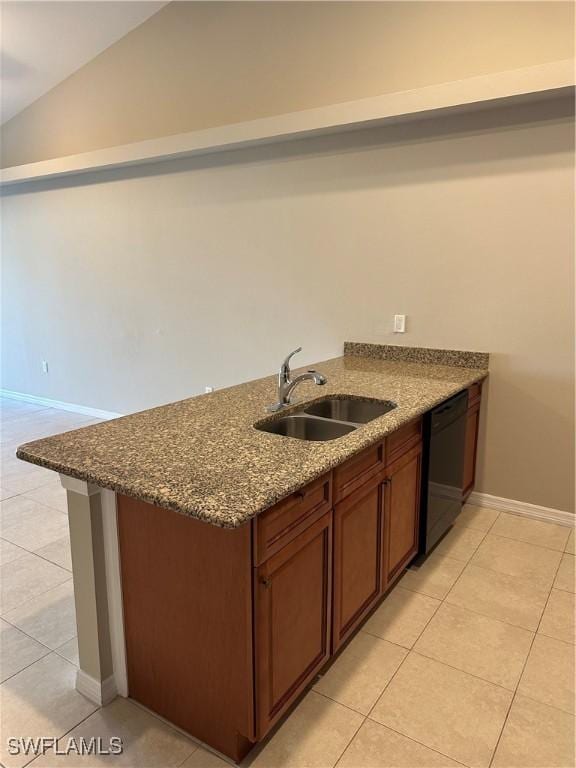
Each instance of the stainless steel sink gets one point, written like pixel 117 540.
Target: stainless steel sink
pixel 351 409
pixel 327 419
pixel 306 428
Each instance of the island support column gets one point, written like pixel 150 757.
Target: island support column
pixel 97 591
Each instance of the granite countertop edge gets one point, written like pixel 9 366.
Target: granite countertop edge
pixel 246 509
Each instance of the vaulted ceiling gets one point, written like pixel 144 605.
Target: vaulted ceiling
pixel 43 42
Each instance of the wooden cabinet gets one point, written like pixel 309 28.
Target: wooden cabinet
pixel 401 513
pixel 187 600
pixel 292 620
pixel 375 524
pixel 471 444
pixel 226 628
pixel 358 521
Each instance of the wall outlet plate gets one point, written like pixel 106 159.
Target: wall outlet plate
pixel 399 323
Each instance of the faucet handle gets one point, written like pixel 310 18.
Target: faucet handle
pixel 286 363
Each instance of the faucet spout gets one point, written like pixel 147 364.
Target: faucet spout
pixel 318 378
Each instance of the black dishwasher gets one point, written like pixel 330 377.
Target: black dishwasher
pixel 442 469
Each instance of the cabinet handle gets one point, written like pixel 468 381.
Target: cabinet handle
pixel 265 581
pixel 301 494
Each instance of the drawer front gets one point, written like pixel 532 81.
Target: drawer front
pixel 474 394
pixel 357 470
pixel 403 439
pixel 284 521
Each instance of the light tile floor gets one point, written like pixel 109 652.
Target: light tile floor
pixel 469 662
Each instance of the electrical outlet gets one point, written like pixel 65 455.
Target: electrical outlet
pixel 399 323
pixel 207 390
pixel 44 366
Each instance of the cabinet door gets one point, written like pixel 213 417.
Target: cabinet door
pixel 472 421
pixel 292 620
pixel 357 558
pixel 402 511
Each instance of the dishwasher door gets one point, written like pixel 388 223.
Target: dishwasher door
pixel 445 433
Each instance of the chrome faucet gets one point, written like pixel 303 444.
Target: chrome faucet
pixel 286 385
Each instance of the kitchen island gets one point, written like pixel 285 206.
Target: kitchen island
pixel 217 567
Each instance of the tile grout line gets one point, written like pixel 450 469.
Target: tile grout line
pixel 24 495
pixel 48 652
pixel 464 671
pixel 412 650
pixel 36 551
pixel 40 594
pixel 515 693
pixel 43 504
pixel 367 717
pixel 533 543
pixel 467 563
pixel 196 748
pixel 31 637
pixel 490 570
pixel 196 744
pixel 36 757
pixel 47 560
pixel 382 725
pixel 180 731
pixel 334 701
pixel 421 743
pixel 350 742
pixel 545 704
pixel 405 657
pixel 444 600
pixel 485 615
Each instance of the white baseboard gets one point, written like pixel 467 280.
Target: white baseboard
pixel 547 514
pixel 100 693
pixel 97 413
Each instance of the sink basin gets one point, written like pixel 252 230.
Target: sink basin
pixel 350 409
pixel 306 428
pixel 327 419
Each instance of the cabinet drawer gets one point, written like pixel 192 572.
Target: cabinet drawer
pixel 284 521
pixel 357 470
pixel 474 394
pixel 403 439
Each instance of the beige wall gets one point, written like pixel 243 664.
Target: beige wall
pixel 195 65
pixel 142 286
